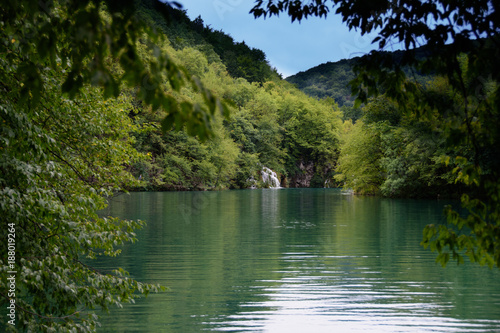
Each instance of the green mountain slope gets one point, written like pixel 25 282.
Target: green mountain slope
pixel 332 78
pixel 327 80
pixel 270 122
pixel 240 59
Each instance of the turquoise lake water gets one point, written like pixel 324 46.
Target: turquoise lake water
pixel 295 260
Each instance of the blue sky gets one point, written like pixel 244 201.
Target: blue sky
pixel 290 47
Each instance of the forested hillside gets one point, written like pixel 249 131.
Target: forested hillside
pixel 240 59
pixel 327 80
pixel 331 80
pixel 271 123
pixel 377 148
pixel 386 149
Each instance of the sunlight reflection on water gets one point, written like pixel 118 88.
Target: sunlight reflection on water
pixel 332 303
pixel 345 301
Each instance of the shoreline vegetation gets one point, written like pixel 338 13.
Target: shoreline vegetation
pixel 308 141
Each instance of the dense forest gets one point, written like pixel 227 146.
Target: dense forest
pixel 328 80
pixel 271 124
pixel 384 150
pixel 310 138
pixel 316 141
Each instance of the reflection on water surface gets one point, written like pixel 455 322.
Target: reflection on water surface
pixel 309 260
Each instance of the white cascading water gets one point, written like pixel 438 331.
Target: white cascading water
pixel 270 177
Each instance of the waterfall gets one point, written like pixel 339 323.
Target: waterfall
pixel 270 177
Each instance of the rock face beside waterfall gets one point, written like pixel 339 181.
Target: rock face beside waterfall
pixel 303 177
pixel 308 176
pixel 270 178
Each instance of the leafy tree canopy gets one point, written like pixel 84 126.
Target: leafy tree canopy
pixel 82 36
pixel 463 44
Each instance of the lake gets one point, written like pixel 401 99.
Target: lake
pixel 295 260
